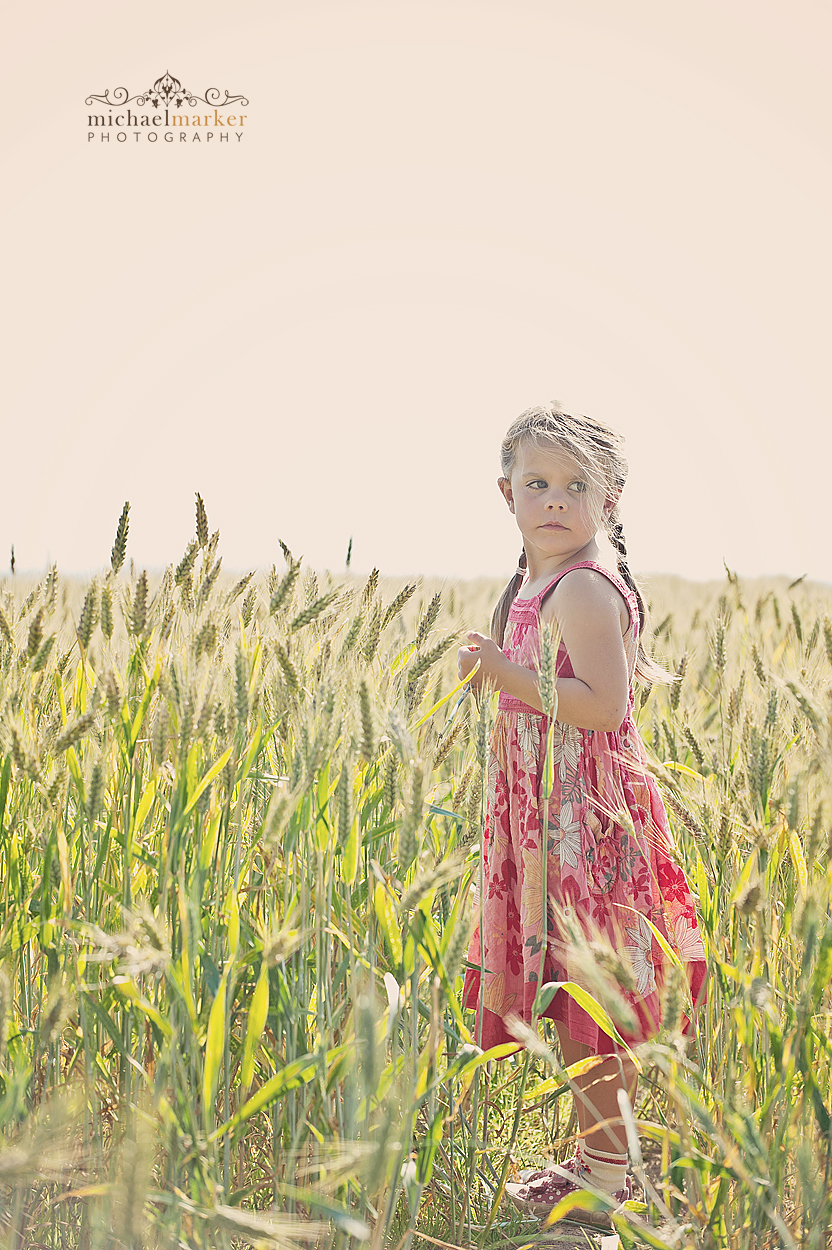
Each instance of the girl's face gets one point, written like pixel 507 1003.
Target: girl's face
pixel 558 510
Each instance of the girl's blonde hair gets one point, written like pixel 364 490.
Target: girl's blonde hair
pixel 599 451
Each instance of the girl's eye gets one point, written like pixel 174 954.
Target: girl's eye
pixel 538 484
pixel 579 487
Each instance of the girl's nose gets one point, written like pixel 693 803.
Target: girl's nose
pixel 557 501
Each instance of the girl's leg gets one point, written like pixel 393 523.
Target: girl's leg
pixel 601 1161
pixel 599 1102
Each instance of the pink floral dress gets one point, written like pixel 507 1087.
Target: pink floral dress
pixel 609 858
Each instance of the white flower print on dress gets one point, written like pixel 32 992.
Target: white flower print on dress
pixel 567 835
pixel 640 954
pixel 566 744
pixel 528 733
pixel 688 939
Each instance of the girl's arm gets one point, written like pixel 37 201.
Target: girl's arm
pixel 590 613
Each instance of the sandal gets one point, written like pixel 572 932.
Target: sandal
pixel 543 1190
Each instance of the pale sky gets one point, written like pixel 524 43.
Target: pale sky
pixel 440 213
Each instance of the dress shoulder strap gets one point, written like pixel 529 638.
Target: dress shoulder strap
pixel 620 585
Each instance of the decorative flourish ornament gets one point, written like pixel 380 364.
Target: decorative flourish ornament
pixel 167 90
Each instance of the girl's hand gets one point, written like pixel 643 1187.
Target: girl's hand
pixel 492 661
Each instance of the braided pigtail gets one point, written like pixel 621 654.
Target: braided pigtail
pixel 501 611
pixel 647 670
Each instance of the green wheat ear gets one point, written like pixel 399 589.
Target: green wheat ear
pixel 428 620
pixel 137 620
pixel 408 843
pixel 120 545
pixel 184 568
pixel 395 608
pixel 548 658
pixel 282 594
pixel 35 633
pixel 678 681
pixel 89 616
pixel 372 634
pixel 370 587
pixel 368 739
pixel 201 522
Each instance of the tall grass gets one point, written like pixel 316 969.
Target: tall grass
pixel 746 740
pixel 239 823
pixel 223 842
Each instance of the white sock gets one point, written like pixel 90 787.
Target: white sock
pixel 606 1171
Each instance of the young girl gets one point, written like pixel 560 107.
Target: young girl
pixel 608 864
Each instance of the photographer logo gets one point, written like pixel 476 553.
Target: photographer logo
pixel 169 113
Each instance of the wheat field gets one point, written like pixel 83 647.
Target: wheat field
pixel 240 823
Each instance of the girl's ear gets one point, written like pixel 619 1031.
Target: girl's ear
pixel 504 484
pixel 609 506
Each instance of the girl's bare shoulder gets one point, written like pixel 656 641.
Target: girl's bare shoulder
pixel 585 592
